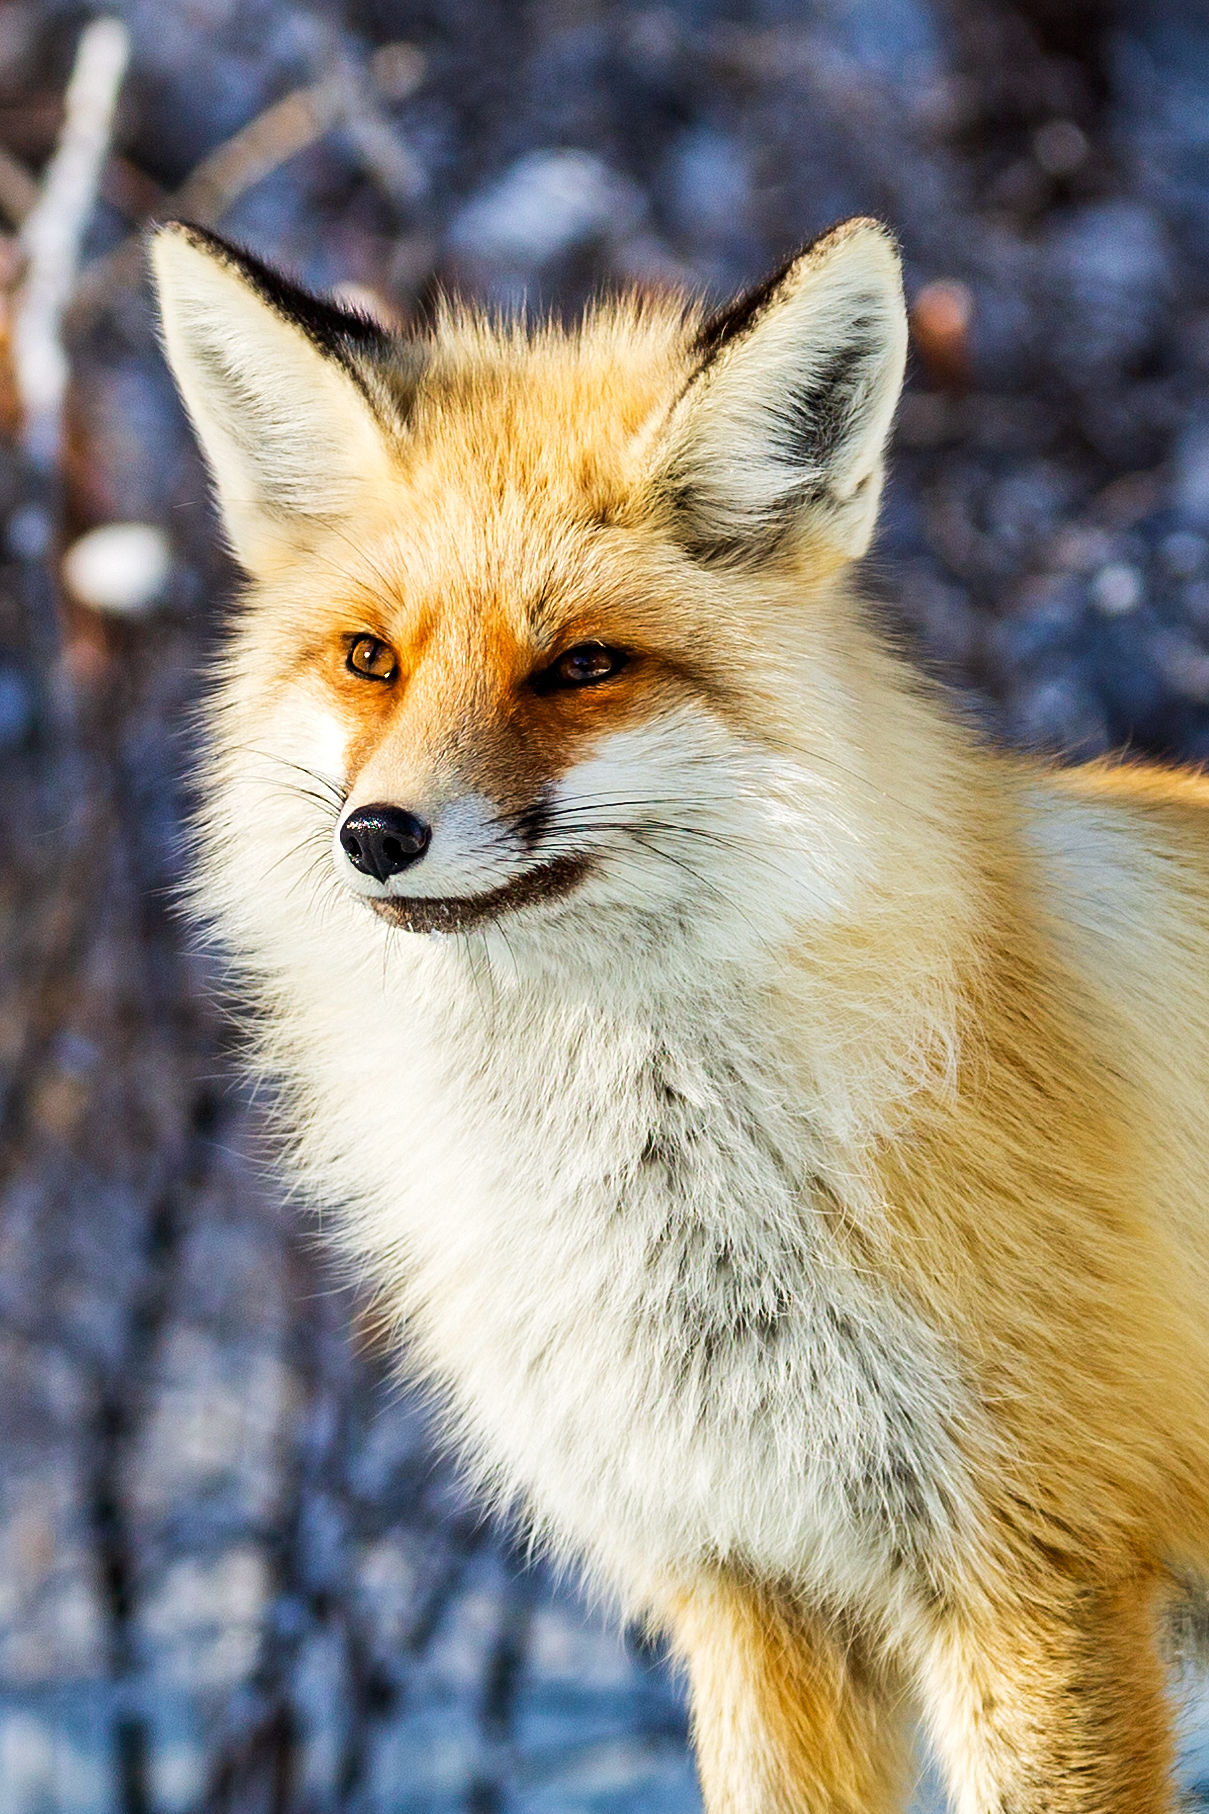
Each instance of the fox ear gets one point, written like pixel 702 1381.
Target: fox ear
pixel 783 424
pixel 295 402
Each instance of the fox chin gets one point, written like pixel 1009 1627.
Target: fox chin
pixel 779 1121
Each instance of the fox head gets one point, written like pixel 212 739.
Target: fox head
pixel 543 632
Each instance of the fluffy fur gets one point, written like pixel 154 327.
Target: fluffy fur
pixel 789 1165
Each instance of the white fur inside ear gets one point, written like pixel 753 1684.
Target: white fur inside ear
pixel 789 414
pixel 285 429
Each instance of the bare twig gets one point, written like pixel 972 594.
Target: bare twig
pixel 274 136
pixel 281 132
pixel 52 232
pixel 374 141
pixel 340 99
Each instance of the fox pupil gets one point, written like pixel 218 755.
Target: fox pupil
pixel 371 658
pixel 587 663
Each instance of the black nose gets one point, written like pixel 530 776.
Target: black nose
pixel 382 840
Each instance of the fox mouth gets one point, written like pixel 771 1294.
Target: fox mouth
pixel 459 913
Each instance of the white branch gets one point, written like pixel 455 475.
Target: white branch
pixel 52 232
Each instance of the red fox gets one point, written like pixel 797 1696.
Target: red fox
pixel 778 1123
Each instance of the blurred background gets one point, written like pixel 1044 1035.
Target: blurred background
pixel 235 1574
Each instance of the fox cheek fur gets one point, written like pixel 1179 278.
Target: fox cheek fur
pixel 791 1171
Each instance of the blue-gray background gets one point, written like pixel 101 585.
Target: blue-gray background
pixel 234 1575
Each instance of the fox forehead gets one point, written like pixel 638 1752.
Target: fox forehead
pixel 503 414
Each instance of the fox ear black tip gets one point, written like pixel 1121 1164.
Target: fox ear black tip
pixel 164 237
pixel 190 233
pixel 165 230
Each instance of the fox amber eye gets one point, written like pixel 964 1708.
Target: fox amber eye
pixel 371 658
pixel 585 665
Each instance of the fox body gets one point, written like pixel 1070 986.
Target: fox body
pixel 778 1124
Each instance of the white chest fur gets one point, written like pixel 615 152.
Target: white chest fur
pixel 620 1270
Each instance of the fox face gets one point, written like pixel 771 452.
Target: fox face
pixel 537 617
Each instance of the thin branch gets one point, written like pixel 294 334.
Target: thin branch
pixel 371 136
pixel 52 232
pixel 340 99
pixel 272 138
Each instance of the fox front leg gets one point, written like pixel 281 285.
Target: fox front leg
pixel 788 1717
pixel 1054 1704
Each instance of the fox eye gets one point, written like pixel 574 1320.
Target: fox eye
pixel 585 665
pixel 370 657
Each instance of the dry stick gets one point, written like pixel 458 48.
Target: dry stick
pixel 254 152
pixel 300 119
pixel 376 144
pixel 50 239
pixel 52 232
pixel 339 98
pixel 274 136
pixel 395 70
